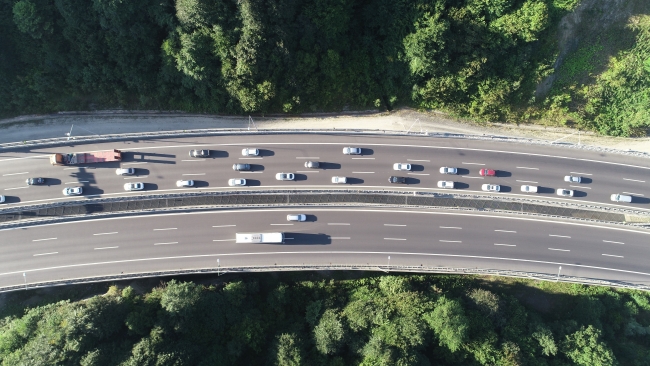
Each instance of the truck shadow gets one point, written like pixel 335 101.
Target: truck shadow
pixel 306 239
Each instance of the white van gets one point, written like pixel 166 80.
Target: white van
pixel 621 198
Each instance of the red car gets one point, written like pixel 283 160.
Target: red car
pixel 488 172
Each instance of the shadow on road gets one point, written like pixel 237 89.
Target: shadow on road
pixel 355 180
pixel 326 166
pixel 306 239
pixel 148 157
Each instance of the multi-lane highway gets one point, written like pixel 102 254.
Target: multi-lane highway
pixel 178 241
pixel 160 163
pixel 128 245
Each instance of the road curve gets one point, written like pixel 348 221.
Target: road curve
pixel 175 241
pixel 160 163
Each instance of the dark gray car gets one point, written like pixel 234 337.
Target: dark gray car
pixel 312 164
pixel 240 167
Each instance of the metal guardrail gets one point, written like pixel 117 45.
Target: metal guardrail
pixel 348 267
pixel 215 132
pixel 242 199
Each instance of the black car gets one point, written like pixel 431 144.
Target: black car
pixel 399 180
pixel 199 153
pixel 35 181
pixel 239 167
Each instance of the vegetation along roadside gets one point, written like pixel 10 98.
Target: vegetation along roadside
pixel 339 319
pixel 484 60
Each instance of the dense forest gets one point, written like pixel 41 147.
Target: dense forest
pixel 476 58
pixel 376 320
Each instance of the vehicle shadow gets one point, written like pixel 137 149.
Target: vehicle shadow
pixel 365 151
pixel 148 157
pixel 311 218
pixel 505 189
pixel 253 182
pixel 326 166
pixel 150 186
pixel 354 180
pixel 579 193
pixel 502 174
pixel 462 171
pixel 91 190
pixel 410 180
pixel 257 168
pixel 635 199
pixel 461 185
pixel 264 152
pixel 584 180
pixel 308 239
pixel 417 167
pixel 218 154
pixel 299 177
pixel 201 183
pixel 52 182
pixel 545 190
pixel 12 199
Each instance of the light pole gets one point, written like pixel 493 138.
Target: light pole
pixel 558 274
pixel 25 279
pixel 388 269
pixel 69 134
pixel 218 267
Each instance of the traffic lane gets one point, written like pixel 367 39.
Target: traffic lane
pixel 138 238
pixel 359 176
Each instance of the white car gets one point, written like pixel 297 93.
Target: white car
pixel 237 182
pixel 72 191
pixel 401 166
pixel 352 150
pixel 250 152
pixel 445 184
pixel 341 180
pixel 184 183
pixel 448 170
pixel 134 186
pixel 564 192
pixel 124 171
pixel 572 179
pixel 298 217
pixel 2 198
pixel 529 189
pixel 285 176
pixel 491 187
pixel 617 198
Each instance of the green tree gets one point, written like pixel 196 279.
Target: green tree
pixel 289 350
pixel 329 334
pixel 585 348
pixel 449 323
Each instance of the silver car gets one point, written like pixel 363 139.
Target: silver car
pixel 199 153
pixel 491 187
pixel 240 167
pixel 572 179
pixel 448 170
pixel 284 176
pixel 134 186
pixel 339 180
pixel 124 171
pixel 184 183
pixel 352 150
pixel 312 164
pixel 250 152
pixel 528 189
pixel 297 217
pixel 72 191
pixel 237 182
pixel 401 166
pixel 564 192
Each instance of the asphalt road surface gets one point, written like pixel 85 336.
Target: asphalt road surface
pixel 175 241
pixel 159 163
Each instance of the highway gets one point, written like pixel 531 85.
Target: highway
pixel 174 241
pixel 160 163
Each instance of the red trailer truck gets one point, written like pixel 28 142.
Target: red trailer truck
pixel 86 158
